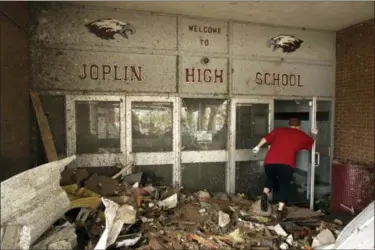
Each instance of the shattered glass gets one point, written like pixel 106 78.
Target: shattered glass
pixel 152 126
pixel 204 124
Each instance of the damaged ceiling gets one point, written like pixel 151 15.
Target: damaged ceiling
pixel 330 16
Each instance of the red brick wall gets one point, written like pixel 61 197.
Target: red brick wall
pixel 354 120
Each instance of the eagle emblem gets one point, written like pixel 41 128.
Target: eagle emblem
pixel 287 43
pixel 107 28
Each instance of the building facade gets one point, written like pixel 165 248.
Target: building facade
pixel 186 99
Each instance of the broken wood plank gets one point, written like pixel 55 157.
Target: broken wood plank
pixel 300 213
pixel 205 242
pixel 44 128
pixel 126 168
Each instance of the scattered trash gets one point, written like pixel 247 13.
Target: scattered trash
pixel 203 195
pixel 323 238
pixel 279 230
pixel 338 222
pixel 62 236
pixel 262 219
pixel 224 219
pixel 237 236
pixel 126 211
pixel 129 240
pixel 169 203
pixel 110 214
pixel 289 240
pixel 284 246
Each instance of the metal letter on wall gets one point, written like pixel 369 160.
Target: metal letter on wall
pixel 203 35
pixel 285 79
pixel 203 75
pixel 102 71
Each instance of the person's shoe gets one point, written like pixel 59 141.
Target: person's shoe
pixel 280 215
pixel 264 202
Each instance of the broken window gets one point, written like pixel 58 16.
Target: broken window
pixel 98 127
pixel 152 126
pixel 204 124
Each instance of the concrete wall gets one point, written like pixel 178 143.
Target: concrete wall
pixel 14 93
pixel 166 55
pixel 354 126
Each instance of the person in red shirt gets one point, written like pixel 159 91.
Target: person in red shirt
pixel 280 160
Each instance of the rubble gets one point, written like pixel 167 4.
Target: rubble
pixel 15 237
pixel 61 237
pixel 35 197
pixel 325 237
pixel 123 212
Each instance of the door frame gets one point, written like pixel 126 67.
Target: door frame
pixel 155 158
pixel 205 156
pixel 235 154
pixel 90 160
pixel 311 173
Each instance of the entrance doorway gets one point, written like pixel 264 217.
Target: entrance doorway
pixel 251 120
pixel 302 109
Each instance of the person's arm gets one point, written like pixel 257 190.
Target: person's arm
pixel 266 139
pixel 261 143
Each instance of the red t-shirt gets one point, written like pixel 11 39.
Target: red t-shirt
pixel 285 143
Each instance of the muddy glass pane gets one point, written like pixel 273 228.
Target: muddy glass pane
pixel 204 124
pixel 250 178
pixel 251 124
pixel 199 176
pixel 97 127
pixel 152 126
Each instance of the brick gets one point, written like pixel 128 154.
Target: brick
pixel 354 116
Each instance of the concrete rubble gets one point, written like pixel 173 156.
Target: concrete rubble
pixel 35 198
pixel 128 212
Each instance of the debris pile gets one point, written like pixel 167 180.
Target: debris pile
pixel 128 212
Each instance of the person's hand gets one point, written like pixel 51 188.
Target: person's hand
pixel 256 149
pixel 314 131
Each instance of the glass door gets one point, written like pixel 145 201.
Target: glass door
pixel 321 154
pixel 95 130
pixel 151 123
pixel 204 154
pixel 252 119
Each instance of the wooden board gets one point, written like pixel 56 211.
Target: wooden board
pixel 45 131
pixel 299 213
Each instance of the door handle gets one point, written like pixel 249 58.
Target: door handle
pixel 317 159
